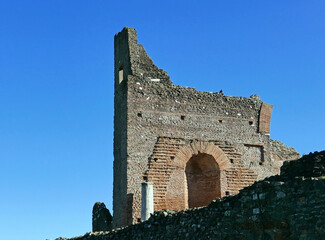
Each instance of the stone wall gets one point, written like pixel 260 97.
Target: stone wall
pixel 159 127
pixel 102 218
pixel 289 206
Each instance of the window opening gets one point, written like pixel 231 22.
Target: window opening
pixel 120 75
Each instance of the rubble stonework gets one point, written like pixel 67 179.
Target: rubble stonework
pixel 102 218
pixel 193 146
pixel 289 206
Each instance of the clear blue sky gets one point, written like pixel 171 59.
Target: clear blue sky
pixel 56 92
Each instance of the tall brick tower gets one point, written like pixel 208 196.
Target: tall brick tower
pixel 193 146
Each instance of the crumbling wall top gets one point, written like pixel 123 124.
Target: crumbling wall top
pixel 141 65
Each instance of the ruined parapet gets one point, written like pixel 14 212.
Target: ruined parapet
pixel 102 218
pixel 132 59
pixel 281 152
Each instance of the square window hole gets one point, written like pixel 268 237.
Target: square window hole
pixel 139 114
pixel 183 117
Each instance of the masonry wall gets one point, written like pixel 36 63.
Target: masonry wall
pixel 286 207
pixel 120 193
pixel 160 126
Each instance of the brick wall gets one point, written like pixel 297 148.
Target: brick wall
pixel 159 127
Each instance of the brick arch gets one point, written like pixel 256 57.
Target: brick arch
pixel 177 192
pixel 187 151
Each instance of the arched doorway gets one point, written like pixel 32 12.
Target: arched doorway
pixel 203 180
pixel 198 162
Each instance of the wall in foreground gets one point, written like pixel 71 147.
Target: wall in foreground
pixel 287 206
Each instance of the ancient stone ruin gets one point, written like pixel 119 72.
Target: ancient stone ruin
pixel 193 146
pixel 102 218
pixel 289 206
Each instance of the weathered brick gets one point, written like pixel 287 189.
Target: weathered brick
pixel 194 146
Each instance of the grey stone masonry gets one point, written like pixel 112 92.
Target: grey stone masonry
pixel 289 206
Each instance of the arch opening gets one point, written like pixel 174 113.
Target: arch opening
pixel 203 180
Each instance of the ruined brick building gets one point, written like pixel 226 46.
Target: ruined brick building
pixel 193 146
